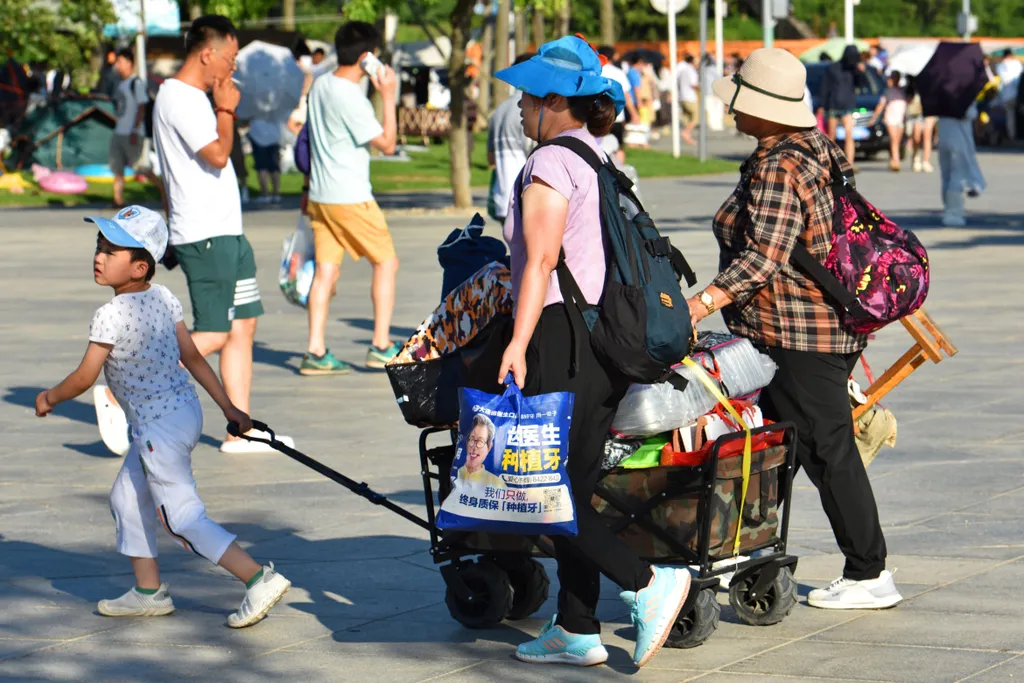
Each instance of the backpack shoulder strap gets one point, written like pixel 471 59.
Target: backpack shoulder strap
pixel 804 258
pixel 579 147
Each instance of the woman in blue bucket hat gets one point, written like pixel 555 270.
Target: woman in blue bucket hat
pixel 556 206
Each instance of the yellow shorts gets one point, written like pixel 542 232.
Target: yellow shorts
pixel 690 112
pixel 359 229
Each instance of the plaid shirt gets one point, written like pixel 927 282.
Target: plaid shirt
pixel 780 199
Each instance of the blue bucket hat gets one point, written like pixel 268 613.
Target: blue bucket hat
pixel 569 67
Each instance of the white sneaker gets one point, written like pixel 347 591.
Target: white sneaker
pixel 927 167
pixel 845 593
pixel 246 447
pixel 136 604
pixel 112 422
pixel 260 598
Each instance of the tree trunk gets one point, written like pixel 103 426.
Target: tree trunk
pixel 288 15
pixel 501 50
pixel 520 31
pixel 607 22
pixel 486 54
pixel 538 28
pixel 565 18
pixel 458 142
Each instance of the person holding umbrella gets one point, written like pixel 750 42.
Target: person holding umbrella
pixel 948 85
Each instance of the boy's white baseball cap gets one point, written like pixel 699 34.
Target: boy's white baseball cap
pixel 136 227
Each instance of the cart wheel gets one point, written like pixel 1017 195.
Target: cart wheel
pixel 772 606
pixel 693 628
pixel 491 599
pixel 529 588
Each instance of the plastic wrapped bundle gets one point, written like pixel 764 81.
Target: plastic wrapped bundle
pixel 649 409
pixel 744 369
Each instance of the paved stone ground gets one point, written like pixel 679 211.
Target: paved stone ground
pixel 367 603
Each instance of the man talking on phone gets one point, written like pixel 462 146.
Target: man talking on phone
pixel 339 199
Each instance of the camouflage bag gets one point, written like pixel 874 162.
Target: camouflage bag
pixel 671 530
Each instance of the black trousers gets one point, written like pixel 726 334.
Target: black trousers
pixel 595 550
pixel 810 390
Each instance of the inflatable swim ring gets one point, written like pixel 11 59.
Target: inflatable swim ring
pixel 63 182
pixel 100 173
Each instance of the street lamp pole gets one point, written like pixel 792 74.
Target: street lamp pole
pixel 768 23
pixel 848 20
pixel 140 43
pixel 674 76
pixel 967 19
pixel 719 37
pixel 702 100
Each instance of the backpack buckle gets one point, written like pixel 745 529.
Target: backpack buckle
pixel 659 247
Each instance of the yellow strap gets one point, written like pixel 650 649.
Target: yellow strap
pixel 701 375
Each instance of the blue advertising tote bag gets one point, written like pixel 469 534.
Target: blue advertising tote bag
pixel 509 473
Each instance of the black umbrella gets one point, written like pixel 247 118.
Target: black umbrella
pixel 952 79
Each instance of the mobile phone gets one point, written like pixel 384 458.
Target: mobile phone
pixel 372 66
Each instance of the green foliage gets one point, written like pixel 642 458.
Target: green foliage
pixel 237 10
pixel 63 34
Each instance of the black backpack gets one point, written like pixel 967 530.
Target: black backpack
pixel 641 327
pixel 148 107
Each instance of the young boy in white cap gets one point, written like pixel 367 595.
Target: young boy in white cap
pixel 138 339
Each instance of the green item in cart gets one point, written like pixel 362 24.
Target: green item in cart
pixel 648 455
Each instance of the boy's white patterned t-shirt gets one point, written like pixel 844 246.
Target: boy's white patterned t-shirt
pixel 142 369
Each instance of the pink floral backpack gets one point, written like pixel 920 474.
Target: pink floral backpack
pixel 876 271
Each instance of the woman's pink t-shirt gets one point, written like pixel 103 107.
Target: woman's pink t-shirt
pixel 574 179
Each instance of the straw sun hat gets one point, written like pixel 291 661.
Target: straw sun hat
pixel 770 85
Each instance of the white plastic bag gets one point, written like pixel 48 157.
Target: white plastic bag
pixel 298 263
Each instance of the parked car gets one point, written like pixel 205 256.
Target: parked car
pixel 868 142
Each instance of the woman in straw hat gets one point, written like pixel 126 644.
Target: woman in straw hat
pixel 784 198
pixel 555 206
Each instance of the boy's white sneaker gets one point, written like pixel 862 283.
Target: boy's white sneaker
pixel 845 593
pixel 112 422
pixel 260 598
pixel 136 604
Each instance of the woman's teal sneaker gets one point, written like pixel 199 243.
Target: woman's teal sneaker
pixel 555 645
pixel 654 609
pixel 378 358
pixel 326 364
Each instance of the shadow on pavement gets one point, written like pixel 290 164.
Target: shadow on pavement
pixel 79 411
pixel 367 325
pixel 261 353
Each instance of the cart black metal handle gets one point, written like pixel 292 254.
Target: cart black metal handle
pixel 358 488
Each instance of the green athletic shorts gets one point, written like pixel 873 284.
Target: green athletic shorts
pixel 221 276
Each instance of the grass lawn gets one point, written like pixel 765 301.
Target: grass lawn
pixel 426 171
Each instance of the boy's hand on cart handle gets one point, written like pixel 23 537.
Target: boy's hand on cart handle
pixel 236 416
pixel 514 361
pixel 43 405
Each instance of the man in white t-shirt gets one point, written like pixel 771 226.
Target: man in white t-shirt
pixel 689 84
pixel 194 144
pixel 339 199
pixel 130 100
pixel 1009 71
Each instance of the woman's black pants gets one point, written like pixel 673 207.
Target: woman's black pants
pixel 810 390
pixel 595 550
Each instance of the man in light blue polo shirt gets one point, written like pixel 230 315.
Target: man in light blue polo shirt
pixel 342 211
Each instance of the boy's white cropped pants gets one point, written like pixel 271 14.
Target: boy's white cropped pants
pixel 156 483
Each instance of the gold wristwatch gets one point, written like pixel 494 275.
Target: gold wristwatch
pixel 708 301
